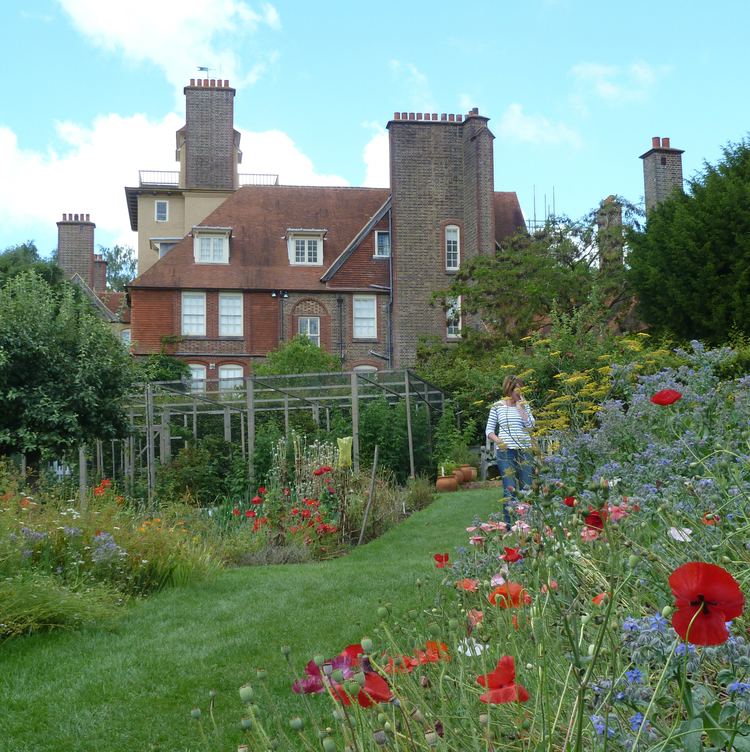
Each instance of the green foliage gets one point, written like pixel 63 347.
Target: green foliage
pixel 121 265
pixel 63 373
pixel 161 367
pixel 557 267
pixel 690 267
pixel 298 355
pixel 25 258
pixel 268 432
pixel 203 472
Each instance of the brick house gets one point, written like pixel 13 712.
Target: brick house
pixel 352 268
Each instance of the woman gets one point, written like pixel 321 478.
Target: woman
pixel 508 426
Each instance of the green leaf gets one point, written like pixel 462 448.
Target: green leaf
pixel 690 734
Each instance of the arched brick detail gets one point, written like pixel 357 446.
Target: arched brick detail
pixel 312 307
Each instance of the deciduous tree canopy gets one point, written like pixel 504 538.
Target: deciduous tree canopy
pixel 298 355
pixel 690 267
pixel 63 373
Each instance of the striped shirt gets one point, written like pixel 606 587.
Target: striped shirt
pixel 506 423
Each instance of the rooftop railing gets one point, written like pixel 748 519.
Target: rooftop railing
pixel 172 178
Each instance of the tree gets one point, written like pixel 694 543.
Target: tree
pixel 298 355
pixel 556 267
pixel 25 257
pixel 161 367
pixel 690 266
pixel 121 265
pixel 63 373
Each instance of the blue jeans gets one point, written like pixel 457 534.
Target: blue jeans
pixel 514 466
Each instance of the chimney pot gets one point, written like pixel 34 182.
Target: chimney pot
pixel 396 115
pixel 459 118
pixel 665 143
pixel 419 116
pixel 404 115
pixel 655 142
pixel 411 116
pixel 443 116
pixel 87 217
pixel 451 118
pixel 213 82
pixel 226 83
pixel 192 82
pixel 475 111
pixel 434 116
pixel 75 217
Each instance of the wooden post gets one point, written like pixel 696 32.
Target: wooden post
pixel 227 425
pixel 328 419
pixel 286 415
pixel 114 464
pixel 370 497
pixel 355 422
pixel 195 421
pixel 408 423
pixel 165 448
pixel 150 453
pixel 99 448
pixel 250 402
pixel 242 433
pixel 83 481
pixel 316 413
pixel 131 462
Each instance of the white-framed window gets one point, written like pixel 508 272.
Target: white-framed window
pixel 310 327
pixel 230 314
pixel 230 377
pixel 211 249
pixel 194 314
pixel 125 337
pixel 453 318
pixel 364 318
pixel 452 247
pixel 197 377
pixel 382 244
pixel 305 249
pixel 161 210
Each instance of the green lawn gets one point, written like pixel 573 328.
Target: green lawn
pixel 130 689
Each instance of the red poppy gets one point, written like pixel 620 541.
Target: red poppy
pixel 256 500
pixel 435 652
pixel 474 617
pixel 501 683
pixel 249 513
pixel 569 501
pixel 711 519
pixel 468 584
pixel 511 555
pixel 261 490
pixel 509 595
pixel 403 665
pixel 236 512
pixel 595 518
pixel 295 511
pixel 287 492
pixel 376 689
pixel 597 600
pixel 706 597
pixel 666 397
pixel 441 560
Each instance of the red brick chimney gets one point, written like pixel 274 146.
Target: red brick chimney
pixel 75 246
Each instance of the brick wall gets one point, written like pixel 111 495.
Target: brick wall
pixel 154 313
pixel 361 268
pixel 75 246
pixel 441 173
pixel 209 136
pixel 662 172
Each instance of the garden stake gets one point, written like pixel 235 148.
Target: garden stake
pixel 369 498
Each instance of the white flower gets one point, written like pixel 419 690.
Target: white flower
pixel 471 647
pixel 681 534
pixel 497 580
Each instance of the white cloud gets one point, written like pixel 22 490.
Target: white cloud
pixel 416 84
pixel 376 158
pixel 88 173
pixel 617 84
pixel 175 35
pixel 275 152
pixel 515 125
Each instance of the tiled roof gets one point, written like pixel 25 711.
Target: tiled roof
pixel 260 217
pixel 508 215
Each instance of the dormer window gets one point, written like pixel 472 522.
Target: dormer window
pixel 305 247
pixel 211 245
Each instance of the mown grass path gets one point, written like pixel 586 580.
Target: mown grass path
pixel 131 688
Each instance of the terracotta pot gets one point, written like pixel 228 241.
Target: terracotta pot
pixel 459 476
pixel 470 473
pixel 446 483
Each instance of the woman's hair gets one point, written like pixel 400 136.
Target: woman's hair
pixel 510 383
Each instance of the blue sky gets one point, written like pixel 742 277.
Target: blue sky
pixel 574 89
